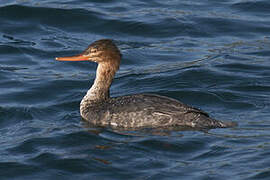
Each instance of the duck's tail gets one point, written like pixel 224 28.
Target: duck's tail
pixel 210 123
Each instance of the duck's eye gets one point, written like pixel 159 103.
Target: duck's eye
pixel 93 50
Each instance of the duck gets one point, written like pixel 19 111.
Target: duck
pixel 135 111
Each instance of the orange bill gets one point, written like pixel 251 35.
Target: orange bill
pixel 73 58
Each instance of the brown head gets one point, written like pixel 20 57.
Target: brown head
pixel 103 51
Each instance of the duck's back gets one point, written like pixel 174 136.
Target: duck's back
pixel 148 111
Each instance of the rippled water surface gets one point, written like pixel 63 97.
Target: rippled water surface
pixel 214 55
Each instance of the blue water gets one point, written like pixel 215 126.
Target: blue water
pixel 214 55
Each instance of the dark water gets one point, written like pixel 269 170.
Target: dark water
pixel 210 54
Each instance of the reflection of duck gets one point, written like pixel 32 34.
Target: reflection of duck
pixel 132 111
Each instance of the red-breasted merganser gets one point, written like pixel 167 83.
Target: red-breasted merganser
pixel 132 111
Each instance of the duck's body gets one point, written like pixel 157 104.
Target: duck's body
pixel 146 111
pixel 132 111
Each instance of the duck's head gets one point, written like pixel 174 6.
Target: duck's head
pixel 101 51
